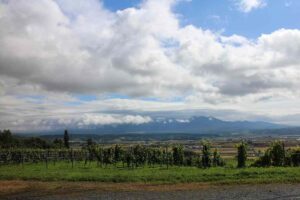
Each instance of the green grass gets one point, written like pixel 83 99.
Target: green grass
pixel 64 172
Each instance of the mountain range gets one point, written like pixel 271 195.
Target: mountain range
pixel 195 125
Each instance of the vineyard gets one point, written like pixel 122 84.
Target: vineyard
pixel 159 164
pixel 139 156
pixel 21 156
pixel 131 157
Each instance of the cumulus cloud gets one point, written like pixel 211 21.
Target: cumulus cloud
pixel 84 48
pixel 85 121
pixel 79 48
pixel 89 119
pixel 249 5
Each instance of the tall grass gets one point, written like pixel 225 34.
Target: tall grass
pixel 63 171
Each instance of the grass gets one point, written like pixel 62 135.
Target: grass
pixel 63 171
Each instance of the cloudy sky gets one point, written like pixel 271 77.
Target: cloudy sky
pixel 66 63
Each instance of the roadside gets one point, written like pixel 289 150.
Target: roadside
pixel 96 190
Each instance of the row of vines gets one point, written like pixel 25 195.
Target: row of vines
pixel 140 156
pixel 131 157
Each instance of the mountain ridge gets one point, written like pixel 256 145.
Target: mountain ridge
pixel 194 125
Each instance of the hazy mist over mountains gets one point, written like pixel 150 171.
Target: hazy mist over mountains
pixel 193 125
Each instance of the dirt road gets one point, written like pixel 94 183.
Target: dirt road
pixel 81 191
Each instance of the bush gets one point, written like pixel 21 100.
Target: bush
pixel 206 155
pixel 178 155
pixel 295 157
pixel 277 153
pixel 217 160
pixel 277 156
pixel 241 154
pixel 264 161
pixel 189 157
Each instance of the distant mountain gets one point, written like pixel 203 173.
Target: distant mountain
pixel 195 125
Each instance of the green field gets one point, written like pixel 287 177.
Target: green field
pixel 63 171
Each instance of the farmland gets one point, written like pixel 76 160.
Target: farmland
pixel 219 160
pixel 71 167
pixel 83 165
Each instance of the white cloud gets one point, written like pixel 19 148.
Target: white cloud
pixel 249 5
pixel 83 48
pixel 93 119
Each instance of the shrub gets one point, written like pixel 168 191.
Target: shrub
pixel 206 155
pixel 178 155
pixel 277 153
pixel 264 161
pixel 217 160
pixel 295 157
pixel 241 154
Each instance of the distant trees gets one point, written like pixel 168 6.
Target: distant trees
pixel 89 142
pixel 7 140
pixel 36 143
pixel 58 143
pixel 66 139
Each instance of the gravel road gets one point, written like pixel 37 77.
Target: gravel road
pixel 257 192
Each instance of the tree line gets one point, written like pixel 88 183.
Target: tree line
pixel 8 140
pixel 20 150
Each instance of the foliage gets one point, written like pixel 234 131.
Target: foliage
pixel 35 143
pixel 217 160
pixel 295 157
pixel 178 155
pixel 189 157
pixel 206 154
pixel 276 155
pixel 58 143
pixel 36 150
pixel 7 140
pixel 241 154
pixel 265 160
pixel 117 153
pixel 89 142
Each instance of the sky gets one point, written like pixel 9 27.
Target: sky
pixel 83 63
